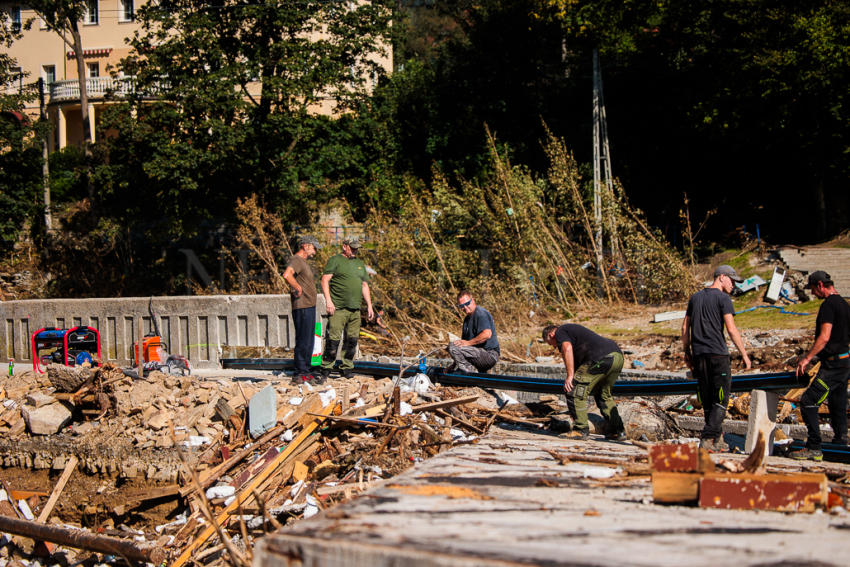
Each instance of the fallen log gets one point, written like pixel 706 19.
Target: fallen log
pixel 81 539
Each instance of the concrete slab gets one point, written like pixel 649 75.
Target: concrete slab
pixel 506 501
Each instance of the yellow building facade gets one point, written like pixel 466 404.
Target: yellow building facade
pixel 42 53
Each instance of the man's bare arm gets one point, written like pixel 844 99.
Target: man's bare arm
pixel 569 365
pixel 824 333
pixel 289 276
pixel 729 321
pixel 326 291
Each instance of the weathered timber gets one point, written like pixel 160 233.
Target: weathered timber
pixel 444 404
pixel 81 539
pixel 668 457
pixel 802 492
pixel 675 487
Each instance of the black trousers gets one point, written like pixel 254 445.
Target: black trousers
pixel 714 377
pixel 830 386
pixel 304 321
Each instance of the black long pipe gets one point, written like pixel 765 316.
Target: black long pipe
pixel 740 383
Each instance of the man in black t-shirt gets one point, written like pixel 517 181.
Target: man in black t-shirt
pixel 706 353
pixel 478 347
pixel 832 347
pixel 593 364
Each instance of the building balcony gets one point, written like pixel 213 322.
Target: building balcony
pixel 96 88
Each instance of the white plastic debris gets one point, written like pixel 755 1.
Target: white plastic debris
pixel 25 510
pixel 418 383
pixel 296 401
pixel 224 491
pixel 307 387
pixel 229 501
pixel 458 435
pixel 327 397
pixel 312 507
pixel 405 408
pixel 287 435
pixel 506 399
pixel 591 471
pixel 3 495
pixel 198 440
pixel 296 488
pixel 290 412
pixel 9 403
pixel 359 403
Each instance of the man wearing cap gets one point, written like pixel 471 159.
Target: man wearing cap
pixel 345 284
pixel 299 276
pixel 832 347
pixel 593 364
pixel 478 348
pixel 706 353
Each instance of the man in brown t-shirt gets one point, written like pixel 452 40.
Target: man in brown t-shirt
pixel 299 275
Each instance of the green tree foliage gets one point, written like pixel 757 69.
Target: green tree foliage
pixel 19 161
pixel 242 82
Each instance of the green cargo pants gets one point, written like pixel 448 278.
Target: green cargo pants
pixel 597 378
pixel 344 322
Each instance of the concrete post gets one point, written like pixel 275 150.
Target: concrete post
pixel 763 408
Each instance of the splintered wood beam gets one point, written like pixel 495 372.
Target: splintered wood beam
pixel 444 404
pixel 247 493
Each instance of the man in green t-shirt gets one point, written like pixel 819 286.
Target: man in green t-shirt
pixel 345 284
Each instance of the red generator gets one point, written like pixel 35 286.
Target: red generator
pixel 71 347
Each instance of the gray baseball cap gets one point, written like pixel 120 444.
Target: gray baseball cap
pixel 309 239
pixel 352 241
pixel 727 270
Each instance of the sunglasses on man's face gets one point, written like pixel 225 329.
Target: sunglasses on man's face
pixel 464 304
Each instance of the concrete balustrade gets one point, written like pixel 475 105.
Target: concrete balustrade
pixel 194 326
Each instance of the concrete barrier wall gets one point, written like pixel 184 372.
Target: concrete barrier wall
pixel 194 326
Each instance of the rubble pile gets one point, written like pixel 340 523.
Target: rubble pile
pixel 203 466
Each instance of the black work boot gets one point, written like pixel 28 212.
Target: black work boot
pixel 322 376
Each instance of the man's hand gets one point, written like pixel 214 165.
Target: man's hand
pixel 689 361
pixel 330 307
pixel 568 384
pixel 369 313
pixel 747 363
pixel 801 366
pixel 461 342
pixel 296 293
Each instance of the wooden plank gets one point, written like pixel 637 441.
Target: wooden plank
pixel 668 316
pixel 27 494
pixel 444 404
pixel 57 490
pixel 670 457
pixel 247 493
pixel 801 492
pixel 675 487
pixel 355 421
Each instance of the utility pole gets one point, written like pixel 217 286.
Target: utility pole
pixel 603 181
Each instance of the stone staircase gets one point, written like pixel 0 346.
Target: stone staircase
pixel 834 261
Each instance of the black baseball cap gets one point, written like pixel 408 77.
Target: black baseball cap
pixel 818 276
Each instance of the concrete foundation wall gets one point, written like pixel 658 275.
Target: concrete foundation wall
pixel 194 326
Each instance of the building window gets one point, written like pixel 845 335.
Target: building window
pixel 91 15
pixel 94 69
pixel 15 16
pixel 126 12
pixel 49 72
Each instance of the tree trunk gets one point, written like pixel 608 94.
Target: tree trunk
pixel 84 102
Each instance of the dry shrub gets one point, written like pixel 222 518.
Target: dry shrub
pixel 518 243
